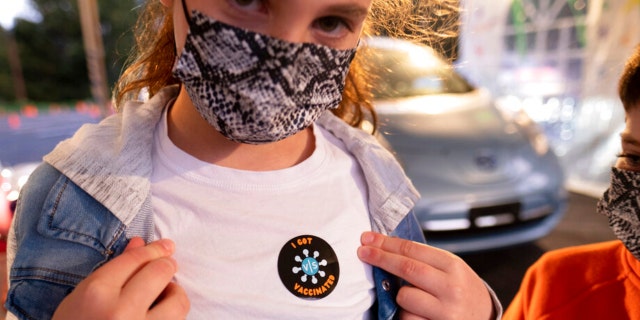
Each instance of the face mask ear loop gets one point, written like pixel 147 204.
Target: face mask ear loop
pixel 188 17
pixel 186 12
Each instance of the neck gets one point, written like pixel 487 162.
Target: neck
pixel 194 135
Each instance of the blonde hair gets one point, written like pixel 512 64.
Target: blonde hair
pixel 426 21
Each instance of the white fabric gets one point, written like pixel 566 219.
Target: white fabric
pixel 111 161
pixel 230 225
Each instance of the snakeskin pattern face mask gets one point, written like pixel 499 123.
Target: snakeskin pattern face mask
pixel 621 204
pixel 256 89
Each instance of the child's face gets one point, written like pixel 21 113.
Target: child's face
pixel 630 140
pixel 334 23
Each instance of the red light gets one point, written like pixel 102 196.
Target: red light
pixel 5 214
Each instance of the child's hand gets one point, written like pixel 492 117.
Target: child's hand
pixel 443 286
pixel 135 285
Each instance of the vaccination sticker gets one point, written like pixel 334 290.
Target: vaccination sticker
pixel 308 267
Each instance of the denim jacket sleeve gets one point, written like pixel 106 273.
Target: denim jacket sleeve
pixel 61 235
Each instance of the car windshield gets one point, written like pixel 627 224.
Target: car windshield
pixel 413 72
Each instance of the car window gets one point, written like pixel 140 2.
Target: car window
pixel 408 73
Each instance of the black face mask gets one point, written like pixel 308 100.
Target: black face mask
pixel 621 204
pixel 256 89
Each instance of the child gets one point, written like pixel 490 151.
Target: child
pixel 601 280
pixel 263 193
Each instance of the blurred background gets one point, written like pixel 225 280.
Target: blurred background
pixel 555 61
pixel 45 46
pixel 558 60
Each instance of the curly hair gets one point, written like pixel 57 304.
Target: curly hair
pixel 629 83
pixel 427 21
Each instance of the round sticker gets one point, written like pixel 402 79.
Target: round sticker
pixel 308 267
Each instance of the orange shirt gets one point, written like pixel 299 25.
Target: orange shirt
pixel 596 281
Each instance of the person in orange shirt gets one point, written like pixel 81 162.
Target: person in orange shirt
pixel 601 280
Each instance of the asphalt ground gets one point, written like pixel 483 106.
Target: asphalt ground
pixel 503 269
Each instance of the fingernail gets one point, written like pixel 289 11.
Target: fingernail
pixel 363 252
pixel 167 245
pixel 367 238
pixel 174 262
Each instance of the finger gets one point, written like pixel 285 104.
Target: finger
pixel 418 304
pixel 120 269
pixel 435 257
pixel 172 304
pixel 135 242
pixel 146 285
pixel 405 315
pixel 416 272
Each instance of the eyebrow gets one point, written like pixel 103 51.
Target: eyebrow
pixel 353 10
pixel 627 138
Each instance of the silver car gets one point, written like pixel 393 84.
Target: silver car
pixel 487 177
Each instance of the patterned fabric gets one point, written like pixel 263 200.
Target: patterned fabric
pixel 621 204
pixel 254 88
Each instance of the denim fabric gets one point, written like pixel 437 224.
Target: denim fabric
pixel 387 285
pixel 60 244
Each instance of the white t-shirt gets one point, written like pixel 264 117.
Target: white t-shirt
pixel 273 245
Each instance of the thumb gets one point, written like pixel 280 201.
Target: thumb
pixel 135 242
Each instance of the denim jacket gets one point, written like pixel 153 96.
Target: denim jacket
pixel 92 194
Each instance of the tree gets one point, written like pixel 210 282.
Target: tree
pixel 6 87
pixel 52 51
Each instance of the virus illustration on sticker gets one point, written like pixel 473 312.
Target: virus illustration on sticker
pixel 310 266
